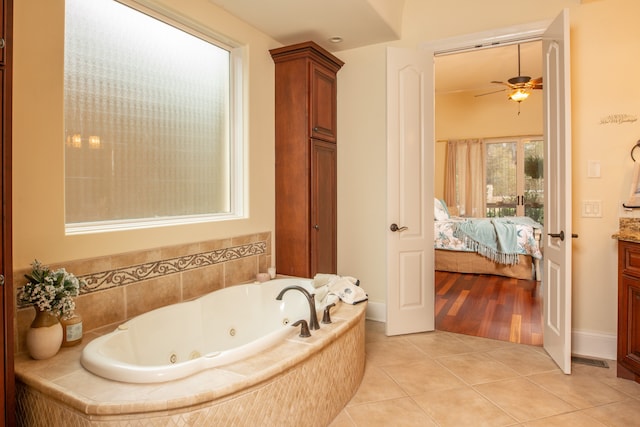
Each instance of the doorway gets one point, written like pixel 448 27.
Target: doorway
pixel 471 103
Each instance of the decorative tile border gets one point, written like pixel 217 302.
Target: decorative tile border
pixel 150 270
pixel 136 273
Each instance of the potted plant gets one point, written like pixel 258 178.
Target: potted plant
pixel 533 167
pixel 51 293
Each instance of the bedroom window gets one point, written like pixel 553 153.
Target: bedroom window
pixel 152 121
pixel 514 177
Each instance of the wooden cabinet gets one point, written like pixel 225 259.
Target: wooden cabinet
pixel 629 310
pixel 305 149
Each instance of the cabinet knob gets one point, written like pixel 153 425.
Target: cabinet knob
pixel 315 129
pixel 2 43
pixel 317 227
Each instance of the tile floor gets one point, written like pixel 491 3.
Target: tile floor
pixel 447 379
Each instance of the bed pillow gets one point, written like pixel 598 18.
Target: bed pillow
pixel 439 210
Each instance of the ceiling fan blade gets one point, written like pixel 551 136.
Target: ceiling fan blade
pixel 503 83
pixel 536 83
pixel 489 93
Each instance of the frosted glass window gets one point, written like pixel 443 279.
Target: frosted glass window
pixel 147 119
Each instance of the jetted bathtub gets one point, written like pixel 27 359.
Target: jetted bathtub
pixel 182 339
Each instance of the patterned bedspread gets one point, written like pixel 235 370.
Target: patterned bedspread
pixel 445 237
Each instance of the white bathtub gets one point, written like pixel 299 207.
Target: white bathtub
pixel 182 339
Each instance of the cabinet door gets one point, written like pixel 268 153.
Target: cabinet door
pixel 323 103
pixel 629 324
pixel 3 32
pixel 323 208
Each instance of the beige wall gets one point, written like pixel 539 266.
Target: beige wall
pixel 38 156
pixel 461 115
pixel 604 33
pixel 604 36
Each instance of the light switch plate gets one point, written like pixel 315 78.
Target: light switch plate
pixel 592 208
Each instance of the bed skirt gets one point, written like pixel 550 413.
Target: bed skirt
pixel 471 262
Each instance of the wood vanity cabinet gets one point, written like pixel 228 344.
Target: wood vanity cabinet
pixel 629 310
pixel 305 151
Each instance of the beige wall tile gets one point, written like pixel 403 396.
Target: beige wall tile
pixel 134 258
pixel 181 250
pixel 201 281
pixel 86 266
pixel 102 308
pixel 149 294
pixel 243 240
pixel 212 245
pixel 240 270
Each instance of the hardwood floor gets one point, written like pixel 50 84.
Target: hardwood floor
pixel 489 306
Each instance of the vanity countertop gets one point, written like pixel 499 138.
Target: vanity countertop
pixel 629 230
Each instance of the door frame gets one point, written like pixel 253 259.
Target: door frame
pixel 502 36
pixel 407 308
pixel 6 256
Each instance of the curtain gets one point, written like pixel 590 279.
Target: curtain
pixel 464 183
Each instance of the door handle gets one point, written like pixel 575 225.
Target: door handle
pixel 560 235
pixel 394 227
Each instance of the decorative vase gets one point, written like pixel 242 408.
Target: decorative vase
pixel 44 337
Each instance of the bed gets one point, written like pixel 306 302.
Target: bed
pixel 467 245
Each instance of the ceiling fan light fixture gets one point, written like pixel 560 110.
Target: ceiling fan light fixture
pixel 519 95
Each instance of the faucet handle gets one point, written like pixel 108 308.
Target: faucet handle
pixel 304 328
pixel 326 317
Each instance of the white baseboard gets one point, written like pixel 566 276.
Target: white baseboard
pixel 594 344
pixel 376 311
pixel 583 343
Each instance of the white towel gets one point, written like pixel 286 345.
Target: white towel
pixel 322 279
pixel 347 289
pixel 321 294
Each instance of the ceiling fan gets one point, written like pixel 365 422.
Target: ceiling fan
pixel 519 86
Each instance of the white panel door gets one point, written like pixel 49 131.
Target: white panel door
pixel 557 206
pixel 410 160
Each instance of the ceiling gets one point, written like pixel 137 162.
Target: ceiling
pixel 357 22
pixel 474 70
pixel 364 22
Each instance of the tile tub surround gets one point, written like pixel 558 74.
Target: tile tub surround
pixel 303 381
pixel 122 286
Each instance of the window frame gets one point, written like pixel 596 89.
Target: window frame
pixel 237 122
